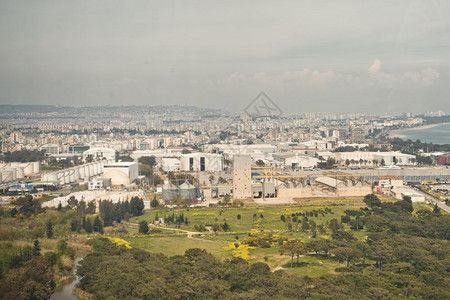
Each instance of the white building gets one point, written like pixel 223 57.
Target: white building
pixel 295 160
pixel 170 164
pixel 389 158
pixel 99 183
pixel 390 180
pixel 99 154
pixel 50 148
pixel 202 162
pixel 121 173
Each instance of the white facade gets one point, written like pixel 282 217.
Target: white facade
pixel 388 157
pixel 242 172
pixel 99 154
pixel 99 183
pixel 121 173
pixel 170 164
pixel 202 162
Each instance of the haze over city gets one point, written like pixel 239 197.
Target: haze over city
pixel 334 56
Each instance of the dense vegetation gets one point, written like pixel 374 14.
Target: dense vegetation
pixel 23 156
pixel 403 255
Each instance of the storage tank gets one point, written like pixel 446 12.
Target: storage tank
pixel 81 172
pixel 20 172
pixel 36 167
pixel 8 174
pixel 28 169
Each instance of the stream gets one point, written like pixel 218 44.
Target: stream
pixel 65 292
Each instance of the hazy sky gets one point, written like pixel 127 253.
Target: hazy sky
pixel 337 56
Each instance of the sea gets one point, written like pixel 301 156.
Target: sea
pixel 439 134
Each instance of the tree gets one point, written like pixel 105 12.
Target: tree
pixel 305 225
pixel 436 210
pixel 154 203
pixel 143 227
pixel 334 225
pixel 381 251
pixel 98 227
pixel 81 207
pixel 72 202
pixel 364 248
pixel 88 227
pixel 49 229
pixel 225 226
pixel 343 236
pixel 59 206
pixel 28 206
pixel 371 200
pixel 382 162
pixel 136 206
pixel 126 158
pixel 288 249
pixel 259 162
pixel 148 160
pixel 91 207
pixel 346 254
pixel 36 248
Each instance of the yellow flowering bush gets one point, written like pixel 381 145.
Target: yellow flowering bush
pixel 241 251
pixel 119 242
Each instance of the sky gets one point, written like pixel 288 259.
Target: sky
pixel 307 56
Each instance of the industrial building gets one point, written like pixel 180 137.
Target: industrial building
pixel 242 180
pixel 99 183
pixel 202 162
pixel 96 154
pixel 50 149
pixel 390 180
pixel 121 173
pixel 294 160
pixel 170 164
pixel 389 158
pixel 185 192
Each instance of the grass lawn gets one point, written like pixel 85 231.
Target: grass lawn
pixel 222 244
pixel 250 217
pixel 178 244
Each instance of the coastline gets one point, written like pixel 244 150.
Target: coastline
pixel 396 133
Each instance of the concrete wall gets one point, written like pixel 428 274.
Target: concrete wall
pixel 354 191
pixel 295 193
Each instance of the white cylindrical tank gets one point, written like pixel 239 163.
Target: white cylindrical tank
pixel 28 169
pixel 76 172
pixel 19 173
pixel 49 177
pixel 81 172
pixel 60 177
pixel 8 174
pixel 72 175
pixel 91 170
pixel 36 167
pixel 66 177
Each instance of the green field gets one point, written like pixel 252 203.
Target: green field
pixel 220 243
